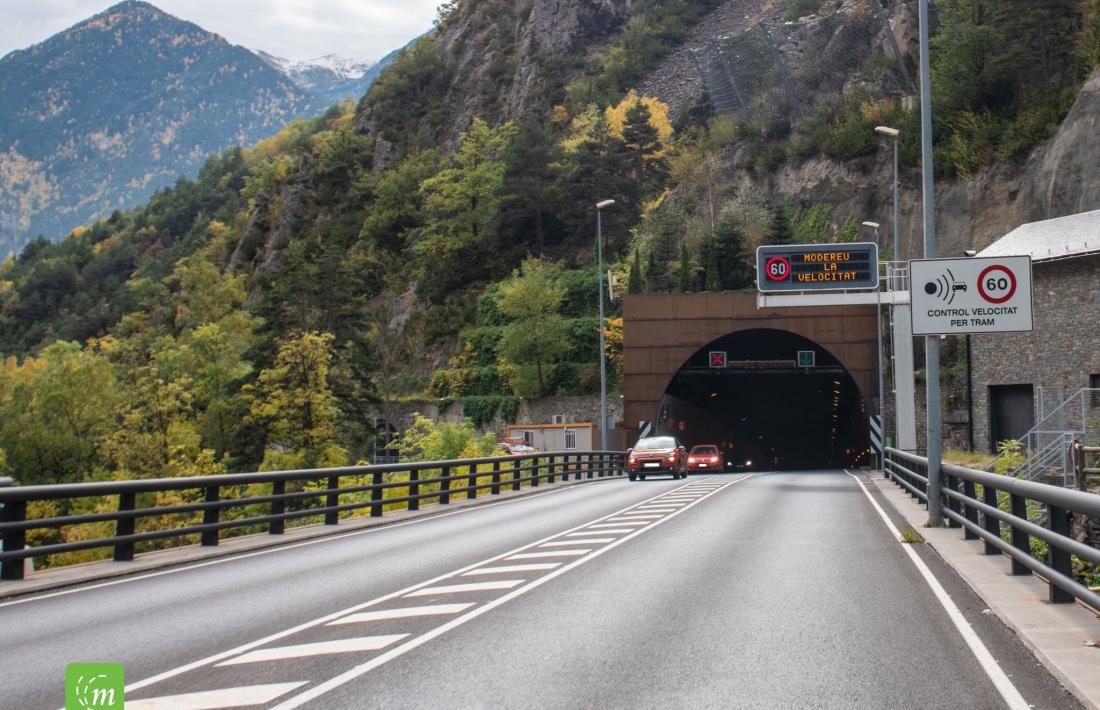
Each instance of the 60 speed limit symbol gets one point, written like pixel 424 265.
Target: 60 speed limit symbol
pixel 997 284
pixel 778 268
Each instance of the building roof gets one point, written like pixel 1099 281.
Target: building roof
pixel 1061 238
pixel 551 426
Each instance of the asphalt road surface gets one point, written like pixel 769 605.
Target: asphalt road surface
pixel 777 590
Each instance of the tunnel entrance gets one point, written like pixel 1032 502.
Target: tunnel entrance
pixel 763 410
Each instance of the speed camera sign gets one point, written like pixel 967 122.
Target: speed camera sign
pixel 989 295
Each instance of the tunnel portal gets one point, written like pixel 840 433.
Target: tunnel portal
pixel 762 409
pixel 761 406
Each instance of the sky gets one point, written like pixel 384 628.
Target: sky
pixel 295 29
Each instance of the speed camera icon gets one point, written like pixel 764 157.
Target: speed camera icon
pixel 944 287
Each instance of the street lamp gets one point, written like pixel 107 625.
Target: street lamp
pixel 603 354
pixel 878 337
pixel 893 133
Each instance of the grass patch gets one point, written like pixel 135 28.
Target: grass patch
pixel 911 536
pixel 970 459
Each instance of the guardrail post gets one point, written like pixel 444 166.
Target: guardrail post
pixel 969 512
pixel 445 486
pixel 471 483
pixel 278 507
pixel 589 472
pixel 332 500
pixel 377 493
pixel 552 467
pixel 210 516
pixel 538 471
pixel 565 468
pixel 124 551
pixel 495 490
pixel 602 472
pixel 13 512
pixel 992 525
pixel 1058 521
pixel 1020 539
pixel 951 483
pixel 515 474
pixel 414 489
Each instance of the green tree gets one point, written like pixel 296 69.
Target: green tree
pixel 293 401
pixel 779 228
pixel 528 199
pixel 732 255
pixel 427 440
pixel 56 412
pixel 686 274
pixel 643 144
pixel 713 280
pixel 634 282
pixel 535 335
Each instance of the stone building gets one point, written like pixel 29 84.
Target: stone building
pixel 1016 376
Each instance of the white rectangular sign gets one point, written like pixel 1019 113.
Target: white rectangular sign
pixel 987 295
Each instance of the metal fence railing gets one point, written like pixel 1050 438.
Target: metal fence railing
pixel 994 509
pixel 204 506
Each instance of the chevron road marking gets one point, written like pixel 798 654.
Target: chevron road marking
pixel 279 653
pixel 247 696
pixel 407 612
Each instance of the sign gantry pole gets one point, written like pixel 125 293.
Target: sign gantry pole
pixel 931 343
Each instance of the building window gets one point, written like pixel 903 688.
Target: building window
pixel 529 438
pixel 570 439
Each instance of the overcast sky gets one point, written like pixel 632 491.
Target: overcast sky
pixel 296 29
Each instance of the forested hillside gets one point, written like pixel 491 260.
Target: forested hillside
pixel 436 242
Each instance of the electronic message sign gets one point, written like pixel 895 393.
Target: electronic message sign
pixel 817 267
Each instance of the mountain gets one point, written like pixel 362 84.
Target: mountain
pixel 330 78
pixel 103 114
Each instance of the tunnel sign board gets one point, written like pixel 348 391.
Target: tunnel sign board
pixel 717 358
pixel 988 295
pixel 817 267
pixel 807 358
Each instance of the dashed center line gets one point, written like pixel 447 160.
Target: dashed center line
pixel 594 539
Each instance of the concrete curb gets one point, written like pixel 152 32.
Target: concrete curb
pixel 1056 634
pixel 104 570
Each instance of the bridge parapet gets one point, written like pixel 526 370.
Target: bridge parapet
pixel 248 502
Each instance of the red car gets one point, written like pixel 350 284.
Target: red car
pixel 704 457
pixel 657 454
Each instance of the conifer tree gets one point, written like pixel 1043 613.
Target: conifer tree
pixel 685 269
pixel 634 282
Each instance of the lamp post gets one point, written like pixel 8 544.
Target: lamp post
pixel 893 133
pixel 603 354
pixel 878 337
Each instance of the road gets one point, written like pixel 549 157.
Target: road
pixel 777 590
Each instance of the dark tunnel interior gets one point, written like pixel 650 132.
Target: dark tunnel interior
pixel 763 410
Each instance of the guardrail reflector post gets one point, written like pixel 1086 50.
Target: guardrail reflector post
pixel 414 489
pixel 209 538
pixel 445 486
pixel 124 551
pixel 13 512
pixel 1058 521
pixel 992 525
pixel 1020 539
pixel 278 507
pixel 377 493
pixel 332 500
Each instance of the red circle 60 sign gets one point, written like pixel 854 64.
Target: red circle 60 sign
pixel 997 284
pixel 778 268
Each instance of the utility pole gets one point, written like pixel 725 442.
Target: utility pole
pixel 931 342
pixel 603 353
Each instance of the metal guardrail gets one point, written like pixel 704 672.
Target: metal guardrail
pixel 421 481
pixel 985 517
pixel 1080 461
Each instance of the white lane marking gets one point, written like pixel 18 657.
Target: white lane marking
pixel 615 525
pixel 537 567
pixel 549 553
pixel 202 662
pixel 660 506
pixel 647 516
pixel 245 696
pixel 350 675
pixel 321 648
pixel 428 516
pixel 406 613
pixel 1004 686
pixel 589 541
pixel 590 533
pixel 462 588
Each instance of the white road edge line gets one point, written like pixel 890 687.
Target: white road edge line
pixel 989 664
pixel 209 660
pixel 350 675
pixel 429 515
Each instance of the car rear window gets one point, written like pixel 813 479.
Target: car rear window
pixel 705 450
pixel 656 442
